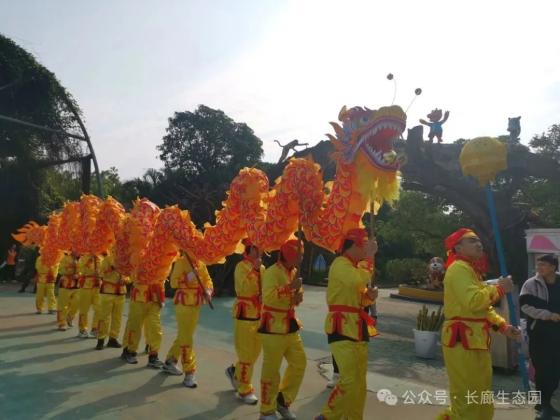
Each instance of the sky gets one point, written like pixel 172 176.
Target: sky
pixel 287 67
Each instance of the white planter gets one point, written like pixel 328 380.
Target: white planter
pixel 426 343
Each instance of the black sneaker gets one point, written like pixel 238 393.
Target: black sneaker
pixel 154 362
pixel 230 373
pixel 113 343
pixel 100 344
pixel 147 349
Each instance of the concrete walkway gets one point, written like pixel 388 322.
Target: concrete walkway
pixel 45 373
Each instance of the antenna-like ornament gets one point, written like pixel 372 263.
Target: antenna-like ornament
pixel 391 77
pixel 417 93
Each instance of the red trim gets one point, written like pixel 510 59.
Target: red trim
pixel 337 318
pixel 267 316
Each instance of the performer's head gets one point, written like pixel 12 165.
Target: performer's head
pixel 251 250
pixel 291 253
pixel 465 243
pixel 356 244
pixel 547 265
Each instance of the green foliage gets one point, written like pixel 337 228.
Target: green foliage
pixel 548 143
pixel 405 270
pixel 208 145
pixel 433 322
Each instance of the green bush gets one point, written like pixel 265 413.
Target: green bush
pixel 406 270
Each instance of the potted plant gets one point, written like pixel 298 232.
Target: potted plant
pixel 426 333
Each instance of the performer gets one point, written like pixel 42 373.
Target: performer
pixel 88 270
pixel 144 311
pixel 112 296
pixel 68 299
pixel 348 325
pixel 247 313
pixel 469 315
pixel 189 296
pixel 46 278
pixel 282 292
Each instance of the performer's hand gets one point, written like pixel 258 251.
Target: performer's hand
pixel 371 249
pixel 298 298
pixel 555 317
pixel 513 332
pixel 506 283
pixel 209 293
pixel 257 263
pixel 372 292
pixel 296 284
pixel 191 276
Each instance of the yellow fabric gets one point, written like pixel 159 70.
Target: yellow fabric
pixel 67 269
pixel 125 335
pixel 247 284
pixel 45 274
pixel 469 372
pixel 275 348
pixel 182 348
pixel 348 286
pixel 88 267
pixel 110 314
pixel 67 305
pixel 182 277
pixel 87 299
pixel 468 297
pixel 348 398
pixel 248 347
pixel 147 315
pixel 113 282
pixel 45 290
pixel 277 293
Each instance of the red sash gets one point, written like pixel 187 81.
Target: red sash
pixel 338 317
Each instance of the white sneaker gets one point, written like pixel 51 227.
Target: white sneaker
pixel 83 334
pixel 333 381
pixel 171 368
pixel 268 417
pixel 250 398
pixel 92 334
pixel 190 380
pixel 285 413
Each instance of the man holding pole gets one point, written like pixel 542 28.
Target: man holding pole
pixel 281 293
pixel 469 315
pixel 247 313
pixel 348 325
pixel 193 287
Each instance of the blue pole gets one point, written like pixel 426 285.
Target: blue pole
pixel 503 272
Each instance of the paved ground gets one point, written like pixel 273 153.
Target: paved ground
pixel 45 373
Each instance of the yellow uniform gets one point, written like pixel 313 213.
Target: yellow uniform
pixel 144 310
pixel 88 271
pixel 348 328
pixel 112 296
pixel 67 291
pixel 280 339
pixel 466 341
pixel 188 299
pixel 46 278
pixel 247 314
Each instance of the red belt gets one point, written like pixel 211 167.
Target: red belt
pixel 180 295
pixel 459 330
pixel 267 316
pixel 338 317
pixel 242 304
pixel 152 290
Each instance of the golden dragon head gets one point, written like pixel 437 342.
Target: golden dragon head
pixel 370 132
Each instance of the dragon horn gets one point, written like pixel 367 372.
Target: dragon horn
pixel 342 113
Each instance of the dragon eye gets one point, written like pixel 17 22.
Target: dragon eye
pixel 364 120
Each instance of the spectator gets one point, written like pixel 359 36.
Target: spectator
pixel 9 268
pixel 540 301
pixel 25 267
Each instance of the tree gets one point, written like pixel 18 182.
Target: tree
pixel 207 144
pixel 548 143
pixel 30 92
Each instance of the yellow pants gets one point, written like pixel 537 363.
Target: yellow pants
pixel 110 313
pixel 89 298
pixel 275 348
pixel 248 347
pixel 182 348
pixel 469 372
pixel 125 335
pixel 145 314
pixel 348 398
pixel 45 290
pixel 67 305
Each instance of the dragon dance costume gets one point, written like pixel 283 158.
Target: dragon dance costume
pixel 68 299
pixel 46 279
pixel 88 271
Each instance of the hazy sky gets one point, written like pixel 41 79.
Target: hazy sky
pixel 286 67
